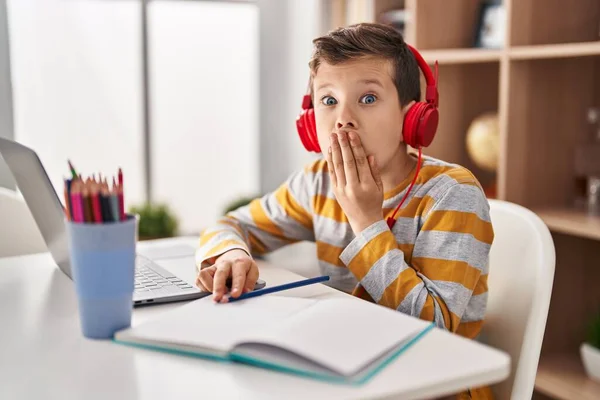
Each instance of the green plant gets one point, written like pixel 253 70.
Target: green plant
pixel 237 203
pixel 156 221
pixel 593 334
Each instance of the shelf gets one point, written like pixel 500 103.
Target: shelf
pixel 562 377
pixel 461 56
pixel 571 221
pixel 478 55
pixel 554 51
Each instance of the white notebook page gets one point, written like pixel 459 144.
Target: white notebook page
pixel 343 335
pixel 208 325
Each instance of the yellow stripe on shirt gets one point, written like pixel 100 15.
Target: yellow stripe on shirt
pixel 329 208
pixel 365 259
pixel 460 222
pixel 330 254
pixel 448 270
pixel 292 208
pixel 399 288
pixel 224 245
pixel 262 220
pixel 481 286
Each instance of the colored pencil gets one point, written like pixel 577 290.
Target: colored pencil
pixel 121 196
pixel 96 208
pixel 76 201
pixel 106 194
pixel 73 172
pixel 74 211
pixel 67 197
pixel 87 202
pixel 104 204
pixel 114 202
pixel 279 288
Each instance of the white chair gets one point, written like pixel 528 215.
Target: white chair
pixel 19 234
pixel 521 275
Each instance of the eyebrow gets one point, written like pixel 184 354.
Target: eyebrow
pixel 323 86
pixel 364 81
pixel 372 81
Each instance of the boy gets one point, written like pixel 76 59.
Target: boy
pixel 433 262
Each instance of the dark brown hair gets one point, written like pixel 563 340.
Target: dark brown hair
pixel 370 40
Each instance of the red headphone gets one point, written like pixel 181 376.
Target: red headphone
pixel 420 122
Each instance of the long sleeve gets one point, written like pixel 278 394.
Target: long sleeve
pixel 446 280
pixel 264 225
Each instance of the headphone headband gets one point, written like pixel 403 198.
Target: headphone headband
pixel 431 92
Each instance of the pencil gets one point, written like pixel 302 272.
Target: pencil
pixel 73 172
pixel 106 194
pixel 67 200
pixel 69 182
pixel 76 201
pixel 87 203
pixel 96 208
pixel 114 202
pixel 279 288
pixel 104 203
pixel 121 196
pixel 74 210
pixel 80 201
pixel 98 214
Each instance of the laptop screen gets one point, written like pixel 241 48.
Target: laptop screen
pixel 41 198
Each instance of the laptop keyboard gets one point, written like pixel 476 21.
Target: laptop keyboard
pixel 148 279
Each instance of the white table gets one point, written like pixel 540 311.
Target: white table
pixel 44 356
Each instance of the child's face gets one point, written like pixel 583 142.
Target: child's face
pixel 360 96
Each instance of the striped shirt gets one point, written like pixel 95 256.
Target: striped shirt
pixel 432 265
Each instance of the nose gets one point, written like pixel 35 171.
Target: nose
pixel 346 119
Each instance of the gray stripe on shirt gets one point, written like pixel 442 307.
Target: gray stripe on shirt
pixel 383 273
pixel 452 246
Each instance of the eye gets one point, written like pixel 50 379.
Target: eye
pixel 368 99
pixel 328 101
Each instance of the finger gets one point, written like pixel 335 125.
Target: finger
pixel 330 167
pixel 375 172
pixel 347 158
pixel 338 162
pixel 205 278
pixel 360 158
pixel 251 277
pixel 239 270
pixel 221 275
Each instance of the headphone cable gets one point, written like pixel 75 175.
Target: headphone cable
pixel 391 220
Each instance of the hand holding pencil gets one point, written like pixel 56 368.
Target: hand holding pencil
pixel 93 200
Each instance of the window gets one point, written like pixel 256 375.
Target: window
pixel 77 94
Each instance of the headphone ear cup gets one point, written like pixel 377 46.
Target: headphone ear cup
pixel 306 126
pixel 420 124
pixel 409 129
pixel 428 124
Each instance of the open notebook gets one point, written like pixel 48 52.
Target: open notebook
pixel 344 340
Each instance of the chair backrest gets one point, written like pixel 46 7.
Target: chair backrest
pixel 19 234
pixel 521 275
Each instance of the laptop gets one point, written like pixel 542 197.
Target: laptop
pixel 153 283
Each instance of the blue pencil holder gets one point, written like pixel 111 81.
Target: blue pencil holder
pixel 103 268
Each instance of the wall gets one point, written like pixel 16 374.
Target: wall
pixel 287 28
pixel 286 32
pixel 6 113
pixel 204 90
